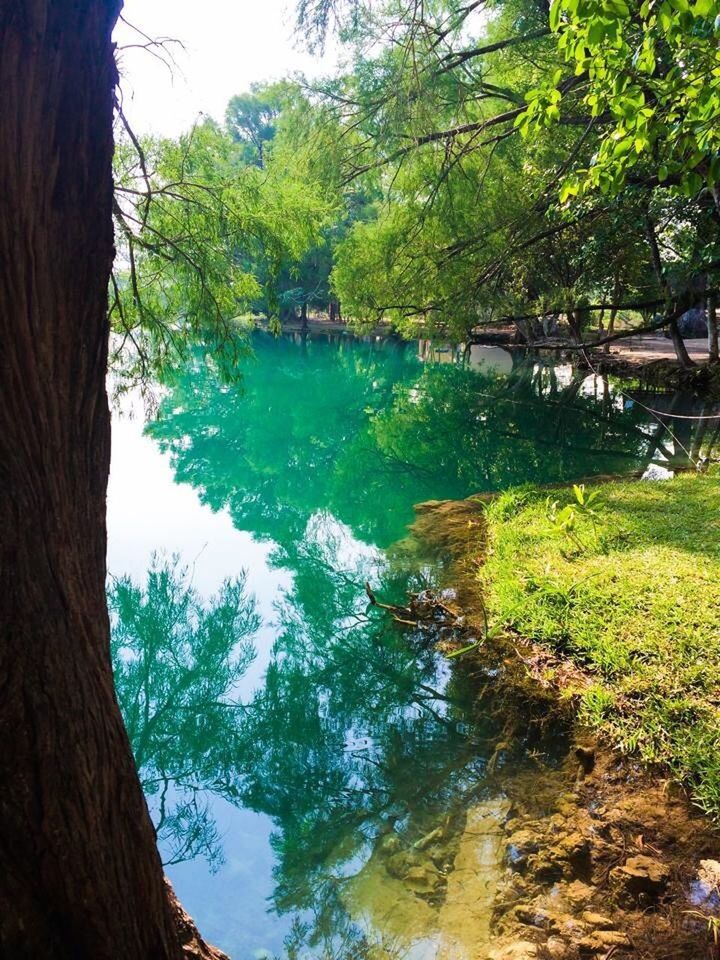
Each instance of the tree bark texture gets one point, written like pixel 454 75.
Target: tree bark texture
pixel 681 351
pixel 81 877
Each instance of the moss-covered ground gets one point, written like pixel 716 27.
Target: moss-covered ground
pixel 626 584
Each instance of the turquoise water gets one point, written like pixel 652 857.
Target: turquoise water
pixel 283 728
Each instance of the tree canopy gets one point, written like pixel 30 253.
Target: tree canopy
pixel 508 146
pixel 471 164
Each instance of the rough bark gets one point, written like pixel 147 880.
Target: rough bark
pixel 610 327
pixel 681 351
pixel 81 877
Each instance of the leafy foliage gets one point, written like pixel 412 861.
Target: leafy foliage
pixel 201 234
pixel 653 81
pixel 505 152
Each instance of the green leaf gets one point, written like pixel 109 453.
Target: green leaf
pixel 570 188
pixel 617 8
pixel 555 11
pixel 703 8
pixel 458 653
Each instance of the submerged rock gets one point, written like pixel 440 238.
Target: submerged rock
pixel 545 867
pixel 398 865
pixel 555 947
pixel 598 921
pixel 390 844
pixel 521 844
pixel 578 892
pixel 705 890
pixel 423 879
pixel 575 849
pixel 709 875
pixel 520 950
pixel 601 941
pixel 533 916
pixel 640 876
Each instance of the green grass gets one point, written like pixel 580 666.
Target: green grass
pixel 628 588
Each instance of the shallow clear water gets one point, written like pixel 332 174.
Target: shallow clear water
pixel 284 730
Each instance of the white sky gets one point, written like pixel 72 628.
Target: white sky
pixel 229 44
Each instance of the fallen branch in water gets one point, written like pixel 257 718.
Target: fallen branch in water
pixel 425 609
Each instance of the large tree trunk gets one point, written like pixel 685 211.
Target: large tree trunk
pixel 610 327
pixel 80 877
pixel 616 294
pixel 681 351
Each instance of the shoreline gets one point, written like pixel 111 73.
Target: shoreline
pixel 650 358
pixel 603 856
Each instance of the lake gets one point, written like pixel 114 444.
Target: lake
pixel 292 741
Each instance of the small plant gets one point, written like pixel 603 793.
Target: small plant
pixel 565 519
pixel 713 924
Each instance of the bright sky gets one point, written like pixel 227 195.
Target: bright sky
pixel 229 44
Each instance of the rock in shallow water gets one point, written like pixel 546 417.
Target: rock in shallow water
pixel 640 877
pixel 520 845
pixel 520 950
pixel 598 921
pixel 601 941
pixel 423 879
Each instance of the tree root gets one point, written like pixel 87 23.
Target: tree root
pixel 192 944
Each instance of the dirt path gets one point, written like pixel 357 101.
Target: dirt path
pixel 647 348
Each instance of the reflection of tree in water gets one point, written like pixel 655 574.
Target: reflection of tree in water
pixel 355 728
pixel 364 431
pixel 357 733
pixel 176 662
pixel 531 426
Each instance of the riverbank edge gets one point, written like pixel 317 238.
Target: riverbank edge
pixel 617 864
pixel 702 378
pixel 609 589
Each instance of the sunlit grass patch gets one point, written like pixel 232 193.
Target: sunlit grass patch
pixel 627 585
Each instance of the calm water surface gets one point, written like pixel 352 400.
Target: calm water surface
pixel 282 728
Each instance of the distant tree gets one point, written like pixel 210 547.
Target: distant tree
pixel 250 118
pixel 476 226
pixel 203 237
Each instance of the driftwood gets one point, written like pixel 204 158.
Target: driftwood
pixel 425 609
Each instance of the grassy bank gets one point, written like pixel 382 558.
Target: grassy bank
pixel 625 585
